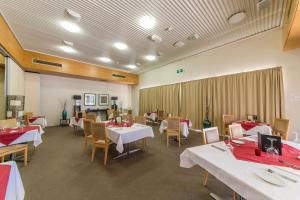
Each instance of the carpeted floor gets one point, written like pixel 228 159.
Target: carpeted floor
pixel 61 169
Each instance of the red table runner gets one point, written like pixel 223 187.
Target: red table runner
pixel 77 119
pixel 247 125
pixel 123 124
pixel 9 135
pixel 32 119
pixel 246 152
pixel 4 177
pixel 186 121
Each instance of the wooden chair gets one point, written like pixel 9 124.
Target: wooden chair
pixel 173 129
pixel 91 116
pixel 8 123
pixel 30 114
pixel 100 140
pixel 129 112
pixel 235 131
pixel 12 149
pixel 26 120
pixel 140 120
pixel 227 120
pixel 210 135
pixel 87 129
pixel 281 128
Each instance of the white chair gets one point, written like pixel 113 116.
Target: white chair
pixel 211 135
pixel 235 131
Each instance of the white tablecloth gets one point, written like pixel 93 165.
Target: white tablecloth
pixel 15 188
pixel 263 129
pixel 124 135
pixel 42 121
pixel 152 116
pixel 80 123
pixel 240 175
pixel 33 135
pixel 184 128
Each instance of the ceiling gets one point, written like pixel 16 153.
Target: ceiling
pixel 36 25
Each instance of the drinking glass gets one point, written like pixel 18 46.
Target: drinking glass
pixel 272 152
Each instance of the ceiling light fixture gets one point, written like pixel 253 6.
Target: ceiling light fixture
pixel 72 15
pixel 67 49
pixel 178 44
pixel 131 66
pixel 147 22
pixel 237 17
pixel 154 38
pixel 193 36
pixel 67 43
pixel 120 46
pixel 105 59
pixel 150 57
pixel 69 26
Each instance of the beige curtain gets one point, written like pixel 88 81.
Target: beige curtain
pixel 164 98
pixel 259 93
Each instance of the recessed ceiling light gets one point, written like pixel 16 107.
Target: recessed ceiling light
pixel 69 26
pixel 178 44
pixel 67 43
pixel 67 49
pixel 131 66
pixel 237 17
pixel 150 57
pixel 73 15
pixel 193 36
pixel 120 45
pixel 105 59
pixel 147 22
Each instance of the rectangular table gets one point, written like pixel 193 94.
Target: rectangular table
pixel 125 135
pixel 252 128
pixel 152 116
pixel 20 135
pixel 184 127
pixel 78 122
pixel 11 186
pixel 38 120
pixel 240 175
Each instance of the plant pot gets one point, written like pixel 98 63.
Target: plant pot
pixel 206 123
pixel 64 114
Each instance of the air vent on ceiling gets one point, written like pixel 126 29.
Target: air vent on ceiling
pixel 43 62
pixel 118 75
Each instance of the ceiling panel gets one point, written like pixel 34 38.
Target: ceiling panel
pixel 36 25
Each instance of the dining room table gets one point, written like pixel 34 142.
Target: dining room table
pixel 185 125
pixel 125 133
pixel 38 120
pixel 253 176
pixel 151 116
pixel 11 186
pixel 21 134
pixel 254 127
pixel 78 122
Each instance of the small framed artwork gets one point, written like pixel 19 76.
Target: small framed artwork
pixel 89 99
pixel 103 100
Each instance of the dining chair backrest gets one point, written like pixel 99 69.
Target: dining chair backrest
pixel 227 119
pixel 26 120
pixel 211 135
pixel 8 123
pixel 140 120
pixel 91 116
pixel 173 123
pixel 30 114
pixel 160 113
pixel 99 131
pixel 281 127
pixel 129 112
pixel 235 131
pixel 119 120
pixel 87 126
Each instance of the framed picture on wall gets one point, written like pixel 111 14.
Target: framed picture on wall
pixel 103 100
pixel 89 99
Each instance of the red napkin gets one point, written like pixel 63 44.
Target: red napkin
pixel 247 125
pixel 123 124
pixel 4 177
pixel 9 135
pixel 246 152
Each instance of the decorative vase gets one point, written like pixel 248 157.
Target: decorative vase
pixel 64 114
pixel 206 123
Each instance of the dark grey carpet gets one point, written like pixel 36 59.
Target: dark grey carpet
pixel 61 169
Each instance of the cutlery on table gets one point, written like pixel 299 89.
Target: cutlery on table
pixel 289 164
pixel 281 175
pixel 219 148
pixel 287 171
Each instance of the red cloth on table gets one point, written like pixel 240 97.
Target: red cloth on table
pixel 4 177
pixel 246 152
pixel 247 125
pixel 77 119
pixel 123 124
pixel 186 121
pixel 32 119
pixel 9 135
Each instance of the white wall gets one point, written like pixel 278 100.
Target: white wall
pixel 32 93
pixel 54 90
pixel 15 79
pixel 261 51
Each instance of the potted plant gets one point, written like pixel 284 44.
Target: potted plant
pixel 64 112
pixel 206 122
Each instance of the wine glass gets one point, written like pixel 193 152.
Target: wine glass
pixel 272 152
